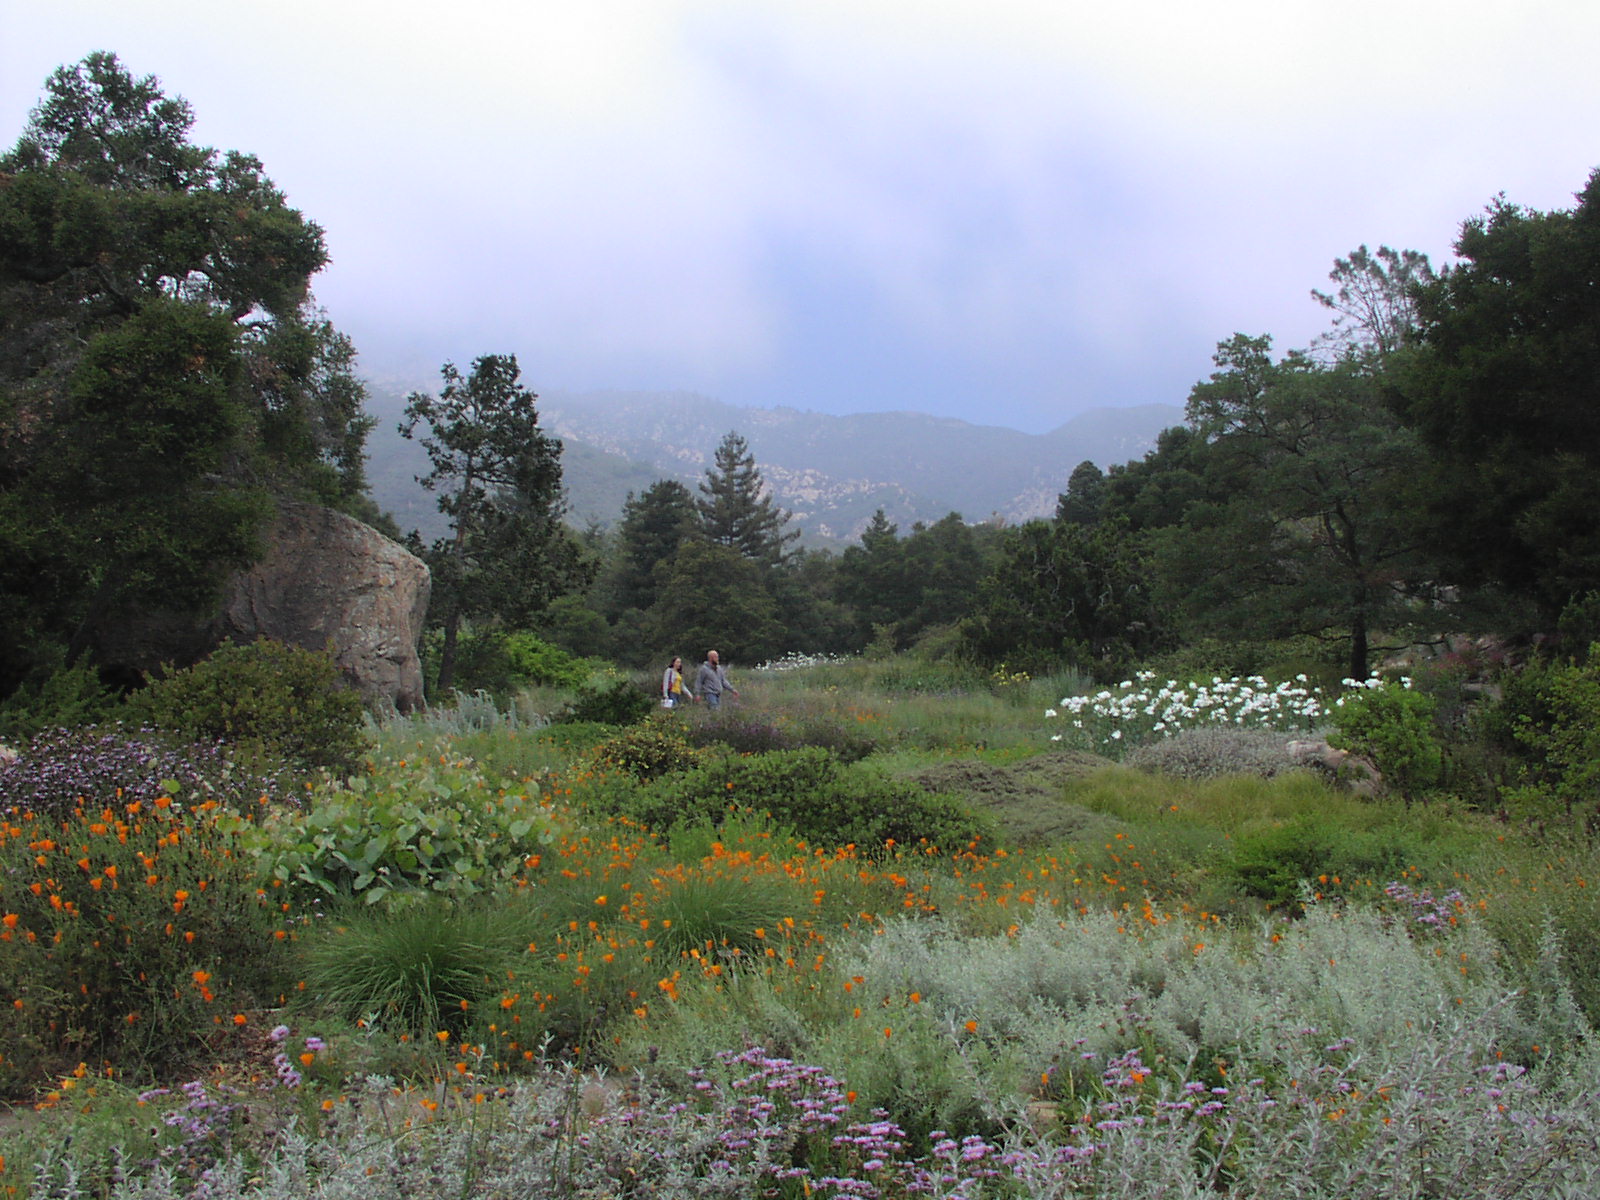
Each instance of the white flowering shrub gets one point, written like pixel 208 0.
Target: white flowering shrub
pixel 1140 710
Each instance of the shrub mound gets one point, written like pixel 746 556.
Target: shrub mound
pixel 264 698
pixel 818 798
pixel 742 735
pixel 1209 752
pixel 646 751
pixel 607 700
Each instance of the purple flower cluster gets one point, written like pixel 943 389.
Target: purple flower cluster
pixel 287 1074
pixel 97 766
pixel 785 1123
pixel 204 1122
pixel 1426 909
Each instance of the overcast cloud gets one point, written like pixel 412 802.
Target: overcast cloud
pixel 1008 211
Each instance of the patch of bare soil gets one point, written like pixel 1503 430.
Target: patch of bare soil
pixel 1027 798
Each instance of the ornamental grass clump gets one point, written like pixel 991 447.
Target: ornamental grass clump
pixel 417 969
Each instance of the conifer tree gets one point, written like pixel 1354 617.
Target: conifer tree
pixel 498 476
pixel 735 511
pixel 653 526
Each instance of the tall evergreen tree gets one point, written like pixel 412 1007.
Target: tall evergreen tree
pixel 1085 496
pixel 653 526
pixel 498 476
pixel 1062 593
pixel 1313 534
pixel 871 580
pixel 735 511
pixel 1504 388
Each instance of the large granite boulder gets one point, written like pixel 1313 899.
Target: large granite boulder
pixel 329 582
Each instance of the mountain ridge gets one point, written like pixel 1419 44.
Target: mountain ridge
pixel 830 471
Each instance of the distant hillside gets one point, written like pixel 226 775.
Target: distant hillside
pixel 832 472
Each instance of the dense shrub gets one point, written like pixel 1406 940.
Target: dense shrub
pixel 415 826
pixel 131 930
pixel 538 662
pixel 647 751
pixel 1281 863
pixel 844 742
pixel 739 733
pixel 1394 727
pixel 1208 752
pixel 1549 724
pixel 811 793
pixel 501 663
pixel 265 698
pixel 55 771
pixel 608 699
pixel 65 699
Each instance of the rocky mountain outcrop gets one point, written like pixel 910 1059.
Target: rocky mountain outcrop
pixel 330 582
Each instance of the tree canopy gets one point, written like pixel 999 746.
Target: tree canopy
pixel 1504 388
pixel 163 370
pixel 498 479
pixel 735 510
pixel 1313 534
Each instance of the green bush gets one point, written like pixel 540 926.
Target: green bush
pixel 647 751
pixel 821 800
pixel 1394 727
pixel 1278 864
pixel 537 662
pixel 66 698
pixel 266 698
pixel 500 663
pixel 418 826
pixel 608 699
pixel 845 743
pixel 1552 712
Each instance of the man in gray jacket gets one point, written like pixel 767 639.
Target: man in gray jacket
pixel 711 680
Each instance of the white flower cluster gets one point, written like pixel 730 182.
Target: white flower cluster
pixel 1137 710
pixel 795 661
pixel 1372 683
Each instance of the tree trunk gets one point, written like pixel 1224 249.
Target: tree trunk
pixel 447 653
pixel 1358 646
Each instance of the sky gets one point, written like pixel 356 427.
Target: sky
pixel 1007 212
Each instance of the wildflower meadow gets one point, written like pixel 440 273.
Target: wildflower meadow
pixel 509 957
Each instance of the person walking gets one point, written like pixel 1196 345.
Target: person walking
pixel 673 689
pixel 711 680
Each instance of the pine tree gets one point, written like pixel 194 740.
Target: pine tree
pixel 735 512
pixel 498 476
pixel 653 526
